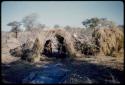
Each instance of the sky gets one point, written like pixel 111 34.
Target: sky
pixel 63 13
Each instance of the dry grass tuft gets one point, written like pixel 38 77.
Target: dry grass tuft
pixel 68 40
pixel 109 41
pixel 35 57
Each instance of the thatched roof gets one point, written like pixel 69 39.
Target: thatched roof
pixel 109 40
pixel 50 34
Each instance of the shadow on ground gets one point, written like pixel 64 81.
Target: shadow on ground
pixel 18 70
pixel 82 71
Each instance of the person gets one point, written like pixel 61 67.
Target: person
pixel 48 47
pixel 61 48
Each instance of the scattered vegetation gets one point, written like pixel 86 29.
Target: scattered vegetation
pixel 15 27
pixel 99 36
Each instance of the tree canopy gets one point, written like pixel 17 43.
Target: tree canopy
pixel 98 23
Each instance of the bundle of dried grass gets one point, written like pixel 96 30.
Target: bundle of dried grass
pixel 109 41
pixel 34 56
pixel 68 41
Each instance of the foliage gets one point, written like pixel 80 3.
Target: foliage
pixel 56 26
pixel 30 21
pixel 95 22
pixel 15 27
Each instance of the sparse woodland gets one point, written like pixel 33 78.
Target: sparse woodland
pixel 94 53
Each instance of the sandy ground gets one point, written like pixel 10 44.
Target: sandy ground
pixel 92 69
pixel 84 69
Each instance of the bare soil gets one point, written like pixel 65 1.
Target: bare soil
pixel 84 69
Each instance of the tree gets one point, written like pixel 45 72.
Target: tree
pixel 56 26
pixel 30 21
pixel 91 23
pixel 15 27
pixel 103 22
pixel 67 28
pixel 98 23
pixel 41 26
